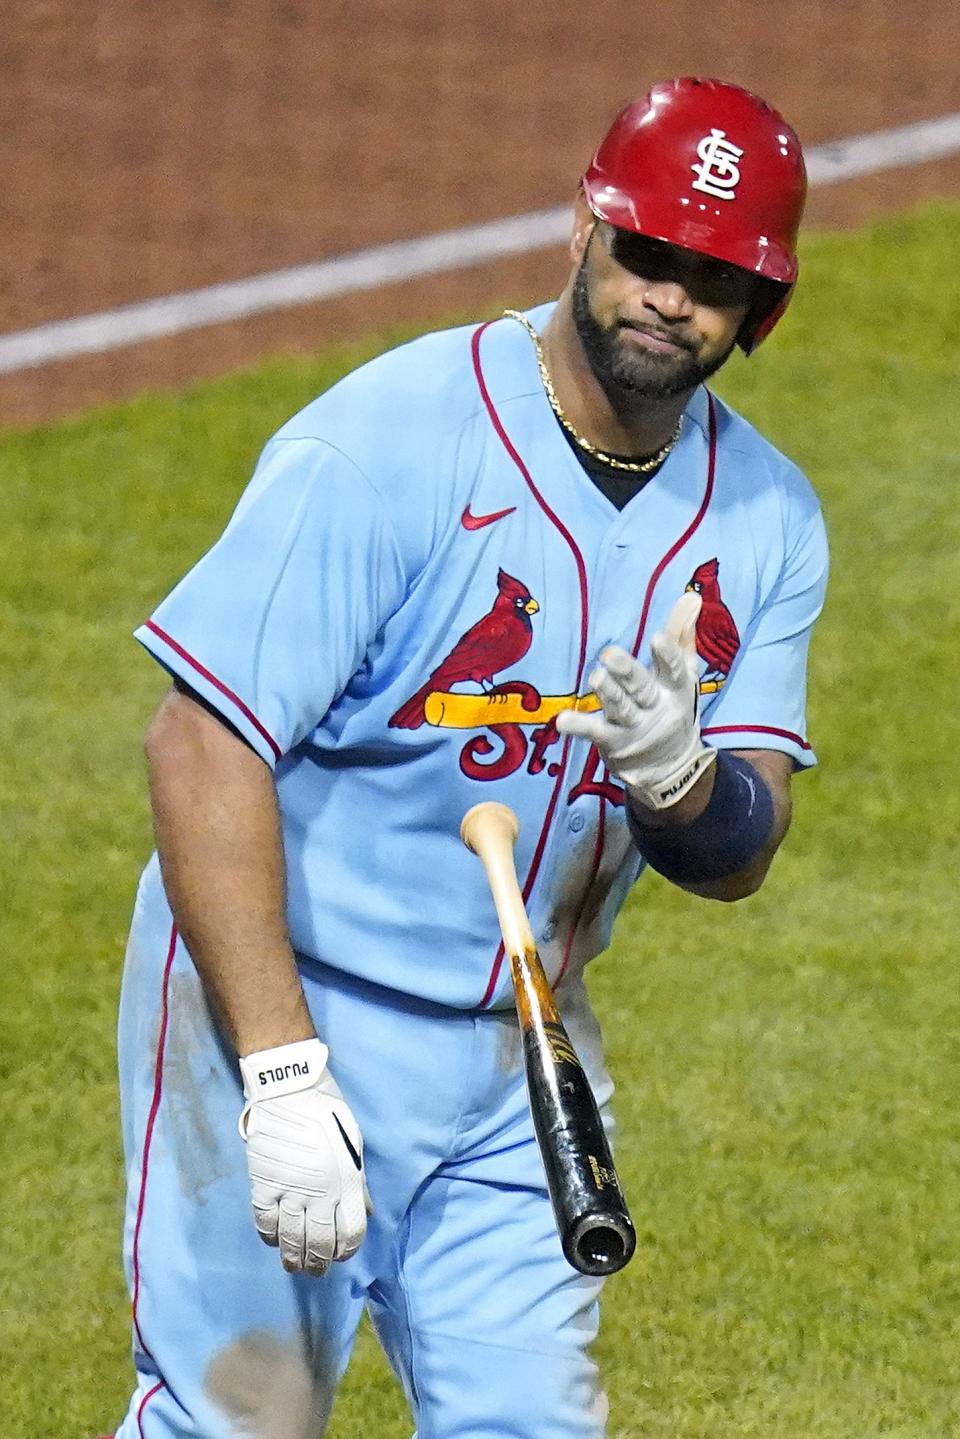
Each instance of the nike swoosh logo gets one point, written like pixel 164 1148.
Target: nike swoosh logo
pixel 350 1149
pixel 477 522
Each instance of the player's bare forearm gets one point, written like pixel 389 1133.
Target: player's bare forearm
pixel 775 769
pixel 221 854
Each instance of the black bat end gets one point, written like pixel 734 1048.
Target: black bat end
pixel 600 1243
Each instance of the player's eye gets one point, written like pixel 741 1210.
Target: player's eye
pixel 707 281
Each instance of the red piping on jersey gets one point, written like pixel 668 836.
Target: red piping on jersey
pixel 691 528
pixel 143 1404
pixel 148 1135
pixel 217 684
pixel 644 613
pixel 582 580
pixel 758 729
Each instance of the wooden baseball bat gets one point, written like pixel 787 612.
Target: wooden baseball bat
pixel 592 1219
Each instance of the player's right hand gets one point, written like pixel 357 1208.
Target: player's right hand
pixel 304 1155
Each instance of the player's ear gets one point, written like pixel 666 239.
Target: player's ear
pixel 583 222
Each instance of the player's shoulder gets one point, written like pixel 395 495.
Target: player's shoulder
pixel 394 437
pixel 432 385
pixel 751 463
pixel 428 379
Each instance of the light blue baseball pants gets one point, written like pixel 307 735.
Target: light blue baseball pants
pixel 481 1317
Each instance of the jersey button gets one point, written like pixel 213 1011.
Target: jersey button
pixel 549 930
pixel 577 822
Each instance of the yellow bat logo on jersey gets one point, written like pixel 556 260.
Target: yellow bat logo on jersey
pixel 459 711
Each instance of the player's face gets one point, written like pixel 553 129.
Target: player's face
pixel 655 320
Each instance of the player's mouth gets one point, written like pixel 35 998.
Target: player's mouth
pixel 655 341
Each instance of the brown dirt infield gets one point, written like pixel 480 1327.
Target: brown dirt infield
pixel 149 148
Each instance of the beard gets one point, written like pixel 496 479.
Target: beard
pixel 622 374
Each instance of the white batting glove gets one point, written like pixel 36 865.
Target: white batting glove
pixel 305 1157
pixel 648 729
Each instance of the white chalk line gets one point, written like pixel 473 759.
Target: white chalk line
pixel 410 259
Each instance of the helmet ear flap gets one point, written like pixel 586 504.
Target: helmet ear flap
pixel 769 302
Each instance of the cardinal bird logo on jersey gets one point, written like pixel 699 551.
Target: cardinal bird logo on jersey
pixel 498 640
pixel 718 638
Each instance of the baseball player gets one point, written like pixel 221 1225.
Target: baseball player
pixel 535 560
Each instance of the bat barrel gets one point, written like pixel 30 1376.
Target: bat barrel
pixel 596 1232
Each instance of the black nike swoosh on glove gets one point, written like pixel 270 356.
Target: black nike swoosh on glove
pixel 352 1151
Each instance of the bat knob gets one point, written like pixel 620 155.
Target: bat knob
pixel 600 1244
pixel 489 822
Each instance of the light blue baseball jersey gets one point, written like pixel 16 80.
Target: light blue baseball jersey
pixel 418 577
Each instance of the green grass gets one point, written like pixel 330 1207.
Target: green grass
pixel 787 1068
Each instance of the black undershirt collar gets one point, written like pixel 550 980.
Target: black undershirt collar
pixel 618 486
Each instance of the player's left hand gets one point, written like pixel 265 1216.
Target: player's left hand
pixel 648 729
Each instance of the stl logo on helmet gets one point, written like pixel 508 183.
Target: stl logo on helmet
pixel 718 173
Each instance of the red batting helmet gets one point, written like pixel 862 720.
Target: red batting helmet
pixel 712 168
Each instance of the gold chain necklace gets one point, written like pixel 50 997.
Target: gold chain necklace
pixel 635 467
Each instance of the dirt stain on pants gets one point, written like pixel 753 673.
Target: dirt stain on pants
pixel 269 1389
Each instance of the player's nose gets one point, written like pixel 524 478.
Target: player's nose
pixel 668 297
